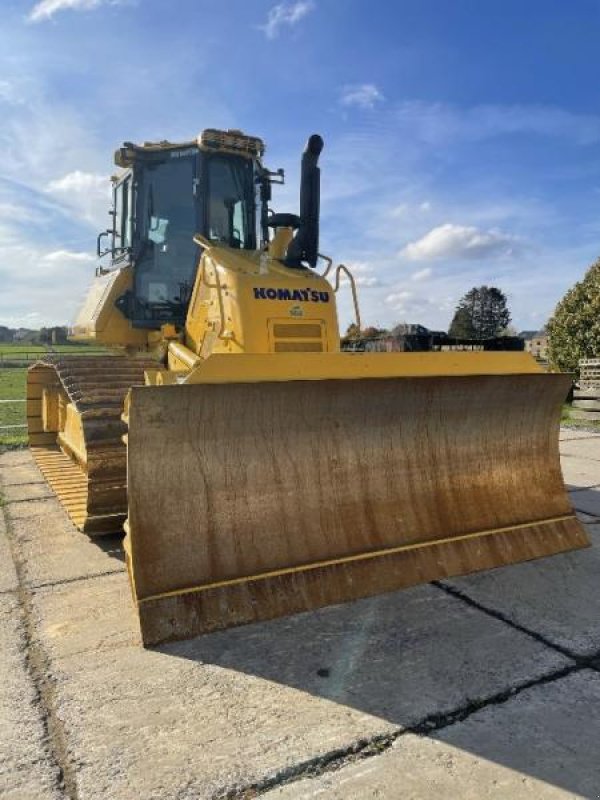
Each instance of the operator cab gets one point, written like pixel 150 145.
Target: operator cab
pixel 168 193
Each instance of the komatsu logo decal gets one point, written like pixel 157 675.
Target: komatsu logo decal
pixel 307 295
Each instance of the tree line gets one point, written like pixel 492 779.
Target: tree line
pixel 482 313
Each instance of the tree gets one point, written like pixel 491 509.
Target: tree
pixel 574 329
pixel 372 332
pixel 462 326
pixel 481 314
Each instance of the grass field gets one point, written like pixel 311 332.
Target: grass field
pixel 12 387
pixel 13 375
pixel 16 352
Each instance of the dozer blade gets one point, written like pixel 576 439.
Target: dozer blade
pixel 249 501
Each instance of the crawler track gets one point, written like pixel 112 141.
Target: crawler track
pixel 90 477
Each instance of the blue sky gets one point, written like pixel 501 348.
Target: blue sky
pixel 462 139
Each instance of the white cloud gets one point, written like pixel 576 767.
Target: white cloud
pixel 362 272
pixel 361 95
pixel 399 301
pixel 285 15
pixel 78 181
pixel 86 192
pixel 422 274
pixel 46 9
pixel 65 256
pixel 461 242
pixel 46 288
pixel 426 206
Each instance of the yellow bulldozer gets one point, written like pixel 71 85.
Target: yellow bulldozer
pixel 257 470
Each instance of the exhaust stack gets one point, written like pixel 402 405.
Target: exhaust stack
pixel 305 244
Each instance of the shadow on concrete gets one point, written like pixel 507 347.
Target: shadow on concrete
pixel 419 653
pixel 111 544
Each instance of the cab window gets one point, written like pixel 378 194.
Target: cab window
pixel 230 202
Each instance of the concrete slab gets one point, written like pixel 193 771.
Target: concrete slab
pixel 198 718
pixel 587 519
pixel 48 508
pixel 24 492
pixel 27 770
pixel 8 576
pixel 15 458
pixel 568 434
pixel 94 615
pixel 541 743
pixel 54 551
pixel 582 448
pixel 18 470
pixel 580 472
pixel 19 475
pixel 588 501
pixel 556 597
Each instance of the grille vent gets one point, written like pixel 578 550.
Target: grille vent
pixel 297 337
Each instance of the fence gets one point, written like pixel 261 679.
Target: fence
pixel 589 372
pixel 586 395
pixel 19 359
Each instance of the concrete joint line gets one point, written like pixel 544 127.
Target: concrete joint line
pixel 367 748
pixel 581 661
pixel 25 483
pixel 37 664
pixel 51 584
pixel 589 513
pixel 30 499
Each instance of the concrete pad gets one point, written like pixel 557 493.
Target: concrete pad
pixel 582 448
pixel 540 744
pixel 576 433
pixel 23 492
pixel 198 718
pixel 22 474
pixel 53 550
pixel 26 767
pixel 15 458
pixel 8 576
pixel 49 508
pixel 86 616
pixel 587 519
pixel 24 471
pixel 556 597
pixel 588 501
pixel 580 472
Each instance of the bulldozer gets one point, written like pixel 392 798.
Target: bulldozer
pixel 258 470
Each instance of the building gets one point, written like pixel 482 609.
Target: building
pixel 537 345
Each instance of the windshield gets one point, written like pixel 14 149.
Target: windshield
pixel 230 203
pixel 168 255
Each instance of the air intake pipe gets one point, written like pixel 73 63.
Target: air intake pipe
pixel 304 247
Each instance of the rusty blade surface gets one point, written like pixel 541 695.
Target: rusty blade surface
pixel 248 501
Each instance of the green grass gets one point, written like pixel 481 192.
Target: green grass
pixel 8 349
pixel 12 352
pixel 12 387
pixel 570 422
